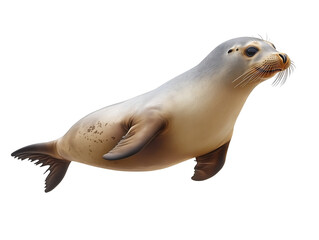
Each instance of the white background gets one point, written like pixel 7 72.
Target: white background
pixel 60 60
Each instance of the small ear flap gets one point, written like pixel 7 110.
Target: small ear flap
pixel 138 136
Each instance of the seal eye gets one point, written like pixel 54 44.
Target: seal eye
pixel 251 51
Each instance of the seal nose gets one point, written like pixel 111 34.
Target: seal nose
pixel 283 57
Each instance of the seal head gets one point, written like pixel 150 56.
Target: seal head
pixel 249 61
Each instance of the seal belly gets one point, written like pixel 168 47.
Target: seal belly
pixel 87 142
pixel 88 145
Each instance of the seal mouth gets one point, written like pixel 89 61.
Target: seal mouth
pixel 261 70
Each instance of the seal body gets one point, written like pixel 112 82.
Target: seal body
pixel 193 115
pixel 190 130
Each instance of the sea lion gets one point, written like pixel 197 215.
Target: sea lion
pixel 192 115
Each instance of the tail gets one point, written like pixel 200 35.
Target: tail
pixel 46 155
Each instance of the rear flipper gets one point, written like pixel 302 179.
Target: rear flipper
pixel 210 164
pixel 44 154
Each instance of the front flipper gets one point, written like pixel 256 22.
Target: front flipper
pixel 210 164
pixel 142 132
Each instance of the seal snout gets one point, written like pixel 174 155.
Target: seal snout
pixel 285 60
pixel 283 57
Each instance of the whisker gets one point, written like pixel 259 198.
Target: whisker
pixel 256 76
pixel 292 66
pixel 281 78
pixel 252 75
pixel 260 75
pixel 244 75
pixel 261 37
